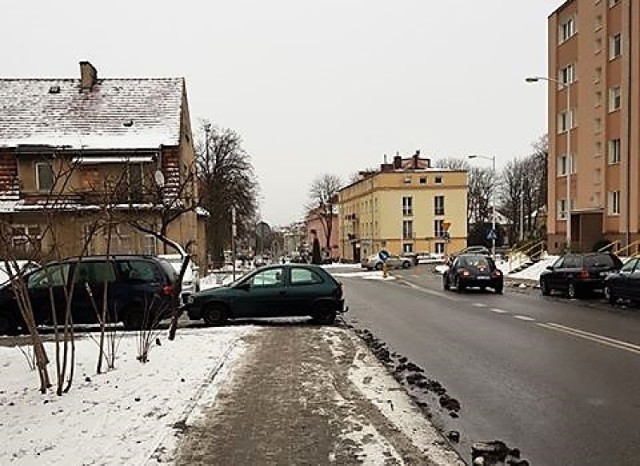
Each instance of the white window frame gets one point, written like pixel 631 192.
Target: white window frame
pixel 613 151
pixel 407 206
pixel 438 205
pixel 567 29
pixel 613 202
pixel 39 184
pixel 565 165
pixel 567 75
pixel 562 209
pixel 615 98
pixel 438 228
pixel 565 121
pixel 615 46
pixel 407 230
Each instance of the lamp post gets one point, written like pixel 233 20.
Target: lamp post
pixel 569 165
pixel 493 202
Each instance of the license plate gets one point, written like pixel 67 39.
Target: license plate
pixel 482 277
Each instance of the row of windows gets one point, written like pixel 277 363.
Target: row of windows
pixel 407 205
pixel 45 177
pixel 567 119
pixel 439 247
pixel 613 204
pixel 408 233
pixel 569 27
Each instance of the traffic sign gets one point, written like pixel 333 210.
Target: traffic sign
pixel 491 235
pixel 446 225
pixel 383 255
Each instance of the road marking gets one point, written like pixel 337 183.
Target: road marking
pixel 525 318
pixel 441 294
pixel 479 305
pixel 623 345
pixel 497 311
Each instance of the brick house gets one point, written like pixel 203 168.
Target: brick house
pixel 76 153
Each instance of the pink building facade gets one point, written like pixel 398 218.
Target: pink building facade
pixel 315 224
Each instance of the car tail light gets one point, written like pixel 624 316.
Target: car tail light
pixel 167 290
pixel 337 291
pixel 465 273
pixel 496 273
pixel 584 274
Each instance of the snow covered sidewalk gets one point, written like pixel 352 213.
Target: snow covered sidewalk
pixel 119 417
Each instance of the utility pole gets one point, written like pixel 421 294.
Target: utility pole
pixel 233 242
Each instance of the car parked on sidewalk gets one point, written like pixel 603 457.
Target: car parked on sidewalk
pixel 473 270
pixel 191 278
pixel 139 292
pixel 624 283
pixel 576 274
pixel 272 291
pixel 375 262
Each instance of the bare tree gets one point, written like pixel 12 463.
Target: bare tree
pixel 226 180
pixel 323 196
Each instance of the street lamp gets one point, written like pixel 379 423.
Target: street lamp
pixel 569 164
pixel 493 202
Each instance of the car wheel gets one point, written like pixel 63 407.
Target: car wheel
pixel 406 265
pixel 572 291
pixel 7 325
pixel 459 285
pixel 379 266
pixel 609 296
pixel 215 315
pixel 544 288
pixel 498 289
pixel 324 314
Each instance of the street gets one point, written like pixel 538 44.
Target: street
pixel 557 379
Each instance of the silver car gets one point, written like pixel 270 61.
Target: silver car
pixel 374 262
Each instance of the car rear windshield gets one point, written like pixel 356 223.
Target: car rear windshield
pixel 599 261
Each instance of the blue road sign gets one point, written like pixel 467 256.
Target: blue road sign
pixel 383 255
pixel 491 235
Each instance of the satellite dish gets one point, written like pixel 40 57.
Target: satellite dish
pixel 159 177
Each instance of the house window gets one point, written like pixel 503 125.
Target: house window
pixel 44 176
pixel 613 206
pixel 562 209
pixel 614 98
pixel 565 121
pixel 567 75
pixel 597 75
pixel 439 248
pixel 438 228
pixel 567 30
pixel 598 45
pixel 614 151
pixel 150 245
pixel 438 205
pixel 423 180
pixel 120 240
pixel 598 149
pixel 25 239
pixel 407 205
pixel 407 229
pixel 615 46
pixel 597 125
pixel 598 23
pixel 135 182
pixel 565 165
pixel 438 180
pixel 598 98
pixel 407 247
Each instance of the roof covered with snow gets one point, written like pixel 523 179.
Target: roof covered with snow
pixel 131 113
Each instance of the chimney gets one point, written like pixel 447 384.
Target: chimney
pixel 88 75
pixel 397 162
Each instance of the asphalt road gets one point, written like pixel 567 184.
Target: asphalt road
pixel 557 379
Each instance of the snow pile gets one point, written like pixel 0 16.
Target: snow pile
pixel 119 417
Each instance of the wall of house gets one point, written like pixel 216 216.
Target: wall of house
pixel 317 224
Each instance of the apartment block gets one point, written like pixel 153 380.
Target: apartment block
pixel 405 206
pixel 594 125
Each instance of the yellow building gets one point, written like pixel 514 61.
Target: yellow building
pixel 406 206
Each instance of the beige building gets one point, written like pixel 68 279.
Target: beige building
pixel 594 55
pixel 406 206
pixel 80 159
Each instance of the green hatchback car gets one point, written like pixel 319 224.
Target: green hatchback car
pixel 273 291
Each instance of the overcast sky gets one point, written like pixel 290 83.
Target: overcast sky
pixel 313 87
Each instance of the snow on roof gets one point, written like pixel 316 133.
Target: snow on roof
pixel 122 113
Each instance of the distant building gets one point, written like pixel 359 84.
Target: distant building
pixel 594 55
pixel 319 226
pixel 405 206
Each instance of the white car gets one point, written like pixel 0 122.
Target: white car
pixel 191 279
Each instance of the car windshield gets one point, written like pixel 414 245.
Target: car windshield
pixel 474 261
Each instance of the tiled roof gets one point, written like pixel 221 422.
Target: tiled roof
pixel 113 114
